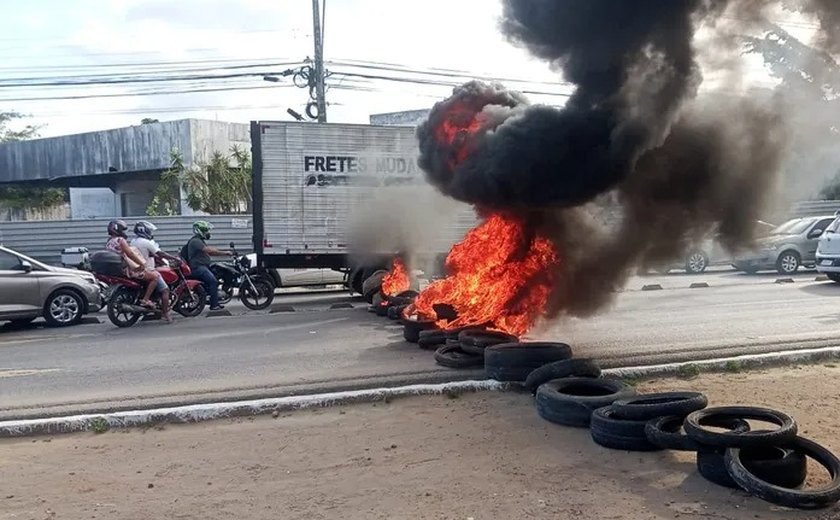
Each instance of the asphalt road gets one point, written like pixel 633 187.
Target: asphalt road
pixel 99 367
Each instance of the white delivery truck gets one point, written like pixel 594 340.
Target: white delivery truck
pixel 310 180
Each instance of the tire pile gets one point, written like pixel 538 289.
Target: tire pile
pixel 769 464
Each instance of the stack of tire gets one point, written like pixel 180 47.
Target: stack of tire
pixel 770 464
pixel 391 306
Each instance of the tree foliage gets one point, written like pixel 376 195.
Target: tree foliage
pixel 8 135
pixel 25 196
pixel 220 185
pixel 810 81
pixel 149 121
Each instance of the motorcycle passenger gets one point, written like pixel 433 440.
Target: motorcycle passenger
pixel 144 242
pixel 197 253
pixel 134 261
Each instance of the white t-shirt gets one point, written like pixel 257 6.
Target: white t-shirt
pixel 148 248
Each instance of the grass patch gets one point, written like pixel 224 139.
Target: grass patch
pixel 733 366
pixel 632 381
pixel 99 425
pixel 830 365
pixel 688 371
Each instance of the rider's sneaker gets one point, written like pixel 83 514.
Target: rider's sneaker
pixel 217 308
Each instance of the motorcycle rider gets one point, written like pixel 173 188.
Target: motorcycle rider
pixel 144 242
pixel 134 261
pixel 197 253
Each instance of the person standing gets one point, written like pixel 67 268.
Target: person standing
pixel 198 255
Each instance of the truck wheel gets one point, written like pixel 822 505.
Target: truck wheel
pixel 834 277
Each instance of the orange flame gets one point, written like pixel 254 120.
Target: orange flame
pixel 500 274
pixel 397 280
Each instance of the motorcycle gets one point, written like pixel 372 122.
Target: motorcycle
pixel 256 291
pixel 186 297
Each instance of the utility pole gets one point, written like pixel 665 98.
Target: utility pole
pixel 320 94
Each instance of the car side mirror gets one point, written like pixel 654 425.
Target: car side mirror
pixel 232 245
pixel 26 266
pixel 815 233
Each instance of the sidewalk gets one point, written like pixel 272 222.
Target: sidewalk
pixel 477 456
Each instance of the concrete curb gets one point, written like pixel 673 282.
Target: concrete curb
pixel 337 306
pixel 785 280
pixel 699 285
pixel 275 309
pixel 822 278
pixel 652 287
pixel 213 411
pixel 223 313
pixel 750 361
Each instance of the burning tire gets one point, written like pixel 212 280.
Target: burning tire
pixel 395 312
pixel 515 361
pixel 651 406
pixel 382 310
pixel 561 369
pixel 431 339
pixel 780 467
pixel 609 431
pixel 372 285
pixel 666 432
pixel 452 356
pixel 412 328
pixel 571 401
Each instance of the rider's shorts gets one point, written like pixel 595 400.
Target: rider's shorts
pixel 161 285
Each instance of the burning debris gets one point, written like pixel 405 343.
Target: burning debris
pixel 397 280
pixel 634 137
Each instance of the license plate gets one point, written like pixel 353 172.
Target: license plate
pixel 826 262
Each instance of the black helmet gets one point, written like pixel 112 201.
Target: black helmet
pixel 145 229
pixel 117 228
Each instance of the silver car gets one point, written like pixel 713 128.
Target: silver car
pixel 786 248
pixel 30 289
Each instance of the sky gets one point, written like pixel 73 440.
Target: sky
pixel 47 40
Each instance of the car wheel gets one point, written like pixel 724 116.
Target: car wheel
pixel 696 262
pixel 64 307
pixel 788 262
pixel 834 277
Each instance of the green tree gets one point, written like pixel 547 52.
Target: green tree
pixel 810 81
pixel 8 135
pixel 220 185
pixel 148 121
pixel 25 196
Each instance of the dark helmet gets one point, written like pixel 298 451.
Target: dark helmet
pixel 117 228
pixel 202 229
pixel 145 229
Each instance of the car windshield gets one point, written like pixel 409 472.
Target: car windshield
pixel 793 227
pixel 833 227
pixel 23 257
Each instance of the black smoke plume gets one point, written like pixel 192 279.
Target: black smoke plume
pixel 632 64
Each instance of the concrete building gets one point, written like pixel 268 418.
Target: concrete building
pixel 404 118
pixel 115 172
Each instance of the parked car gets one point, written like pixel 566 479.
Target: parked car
pixel 302 277
pixel 707 253
pixel 828 251
pixel 786 248
pixel 30 289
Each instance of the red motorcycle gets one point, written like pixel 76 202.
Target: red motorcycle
pixel 186 297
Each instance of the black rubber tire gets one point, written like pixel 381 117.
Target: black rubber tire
pixel 663 404
pixel 259 299
pixel 382 310
pixel 395 312
pixel 559 369
pixel 409 295
pixel 412 329
pixel 451 356
pixel 120 296
pixel 194 307
pixel 666 432
pixel 72 298
pixel 782 467
pixel 516 361
pixel 796 498
pixel 431 339
pixel 786 432
pixel 484 338
pixel 615 433
pixel 780 262
pixel 570 401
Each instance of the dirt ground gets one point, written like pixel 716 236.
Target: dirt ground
pixel 477 456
